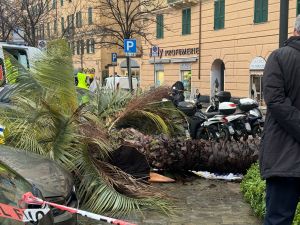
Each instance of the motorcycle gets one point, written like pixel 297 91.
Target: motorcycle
pixel 249 121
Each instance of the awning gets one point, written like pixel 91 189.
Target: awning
pixel 133 64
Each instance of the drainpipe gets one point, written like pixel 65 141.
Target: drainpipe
pixel 200 37
pixel 283 24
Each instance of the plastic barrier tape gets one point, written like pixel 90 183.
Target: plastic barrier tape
pixel 23 215
pixel 30 199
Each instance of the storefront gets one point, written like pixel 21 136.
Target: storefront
pixel 257 67
pixel 170 66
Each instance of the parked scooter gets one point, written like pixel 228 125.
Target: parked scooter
pixel 249 121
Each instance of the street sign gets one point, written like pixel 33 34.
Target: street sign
pixel 114 59
pixel 130 47
pixel 154 51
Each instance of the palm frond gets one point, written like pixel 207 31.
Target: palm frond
pixel 118 194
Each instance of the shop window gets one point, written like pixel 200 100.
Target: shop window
pixel 160 26
pixel 261 11
pixel 186 21
pixel 78 19
pixel 256 88
pixel 219 16
pixel 186 77
pixel 298 7
pixel 160 78
pixel 90 16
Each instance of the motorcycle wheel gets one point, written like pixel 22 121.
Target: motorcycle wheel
pixel 224 134
pixel 256 131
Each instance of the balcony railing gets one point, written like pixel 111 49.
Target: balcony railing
pixel 182 3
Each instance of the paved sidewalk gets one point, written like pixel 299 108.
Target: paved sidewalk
pixel 203 202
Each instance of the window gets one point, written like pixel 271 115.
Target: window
pixel 55 26
pixel 219 14
pixel 90 46
pixel 62 25
pixel 90 16
pixel 261 11
pixel 160 26
pixel 53 4
pixel 62 2
pixel 70 20
pixel 48 30
pixel 256 91
pixel 160 77
pixel 78 19
pixel 73 47
pixel 186 21
pixel 298 7
pixel 80 47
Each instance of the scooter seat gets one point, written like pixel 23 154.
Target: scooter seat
pixel 211 114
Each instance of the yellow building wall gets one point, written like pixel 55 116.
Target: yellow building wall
pixel 238 43
pixel 173 39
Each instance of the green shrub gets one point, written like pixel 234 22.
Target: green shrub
pixel 253 189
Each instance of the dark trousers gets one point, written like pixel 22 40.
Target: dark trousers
pixel 281 200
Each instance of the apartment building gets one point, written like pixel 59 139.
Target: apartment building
pixel 176 34
pixel 76 21
pixel 223 45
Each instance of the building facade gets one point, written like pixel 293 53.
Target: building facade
pixel 176 34
pixel 76 21
pixel 229 42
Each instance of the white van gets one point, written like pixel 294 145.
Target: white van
pixel 25 55
pixel 120 82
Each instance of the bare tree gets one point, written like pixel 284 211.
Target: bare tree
pixel 28 16
pixel 7 20
pixel 125 19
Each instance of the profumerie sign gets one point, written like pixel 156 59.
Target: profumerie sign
pixel 176 52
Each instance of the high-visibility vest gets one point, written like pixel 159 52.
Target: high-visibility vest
pixel 82 81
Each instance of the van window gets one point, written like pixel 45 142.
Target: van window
pixel 20 55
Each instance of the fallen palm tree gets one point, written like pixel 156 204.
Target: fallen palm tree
pixel 179 153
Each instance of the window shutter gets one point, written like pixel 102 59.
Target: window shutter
pixel 216 15
pixel 158 26
pixel 257 11
pixel 90 16
pixel 222 14
pixel 61 2
pixel 189 21
pixel 298 7
pixel 80 19
pixel 183 21
pixel 264 11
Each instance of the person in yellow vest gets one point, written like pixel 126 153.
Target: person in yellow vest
pixel 82 80
pixel 83 87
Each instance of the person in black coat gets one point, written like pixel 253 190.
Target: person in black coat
pixel 280 145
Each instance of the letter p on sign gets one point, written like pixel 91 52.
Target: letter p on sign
pixel 130 46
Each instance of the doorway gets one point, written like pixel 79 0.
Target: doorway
pixel 217 77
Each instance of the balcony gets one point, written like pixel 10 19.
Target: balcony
pixel 182 3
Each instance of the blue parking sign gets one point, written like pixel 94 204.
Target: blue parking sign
pixel 130 46
pixel 114 58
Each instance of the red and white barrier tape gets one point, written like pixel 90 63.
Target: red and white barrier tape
pixel 29 198
pixel 23 215
pixel 34 215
